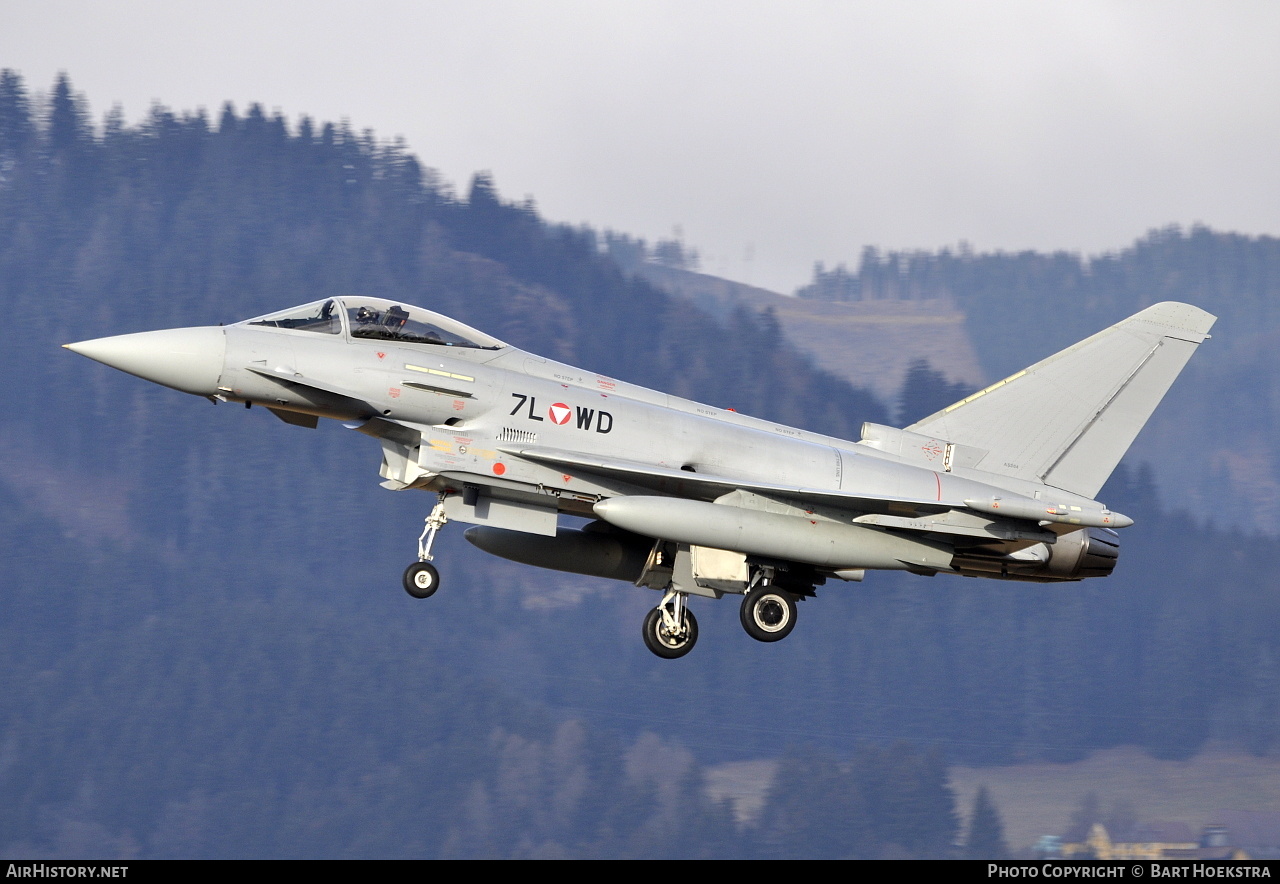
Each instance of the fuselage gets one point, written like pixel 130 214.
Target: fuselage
pixel 478 403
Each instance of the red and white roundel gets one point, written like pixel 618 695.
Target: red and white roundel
pixel 559 413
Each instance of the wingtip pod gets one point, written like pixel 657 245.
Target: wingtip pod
pixel 1016 507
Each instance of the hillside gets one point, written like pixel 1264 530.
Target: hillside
pixel 1040 799
pixel 1216 786
pixel 871 343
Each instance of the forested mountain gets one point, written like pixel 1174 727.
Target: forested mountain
pixel 160 698
pixel 204 649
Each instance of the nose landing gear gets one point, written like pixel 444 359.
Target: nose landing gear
pixel 421 579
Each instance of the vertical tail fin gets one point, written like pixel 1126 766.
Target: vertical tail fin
pixel 1067 420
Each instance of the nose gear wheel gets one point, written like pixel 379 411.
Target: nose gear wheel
pixel 421 580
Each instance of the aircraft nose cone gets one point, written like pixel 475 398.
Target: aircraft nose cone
pixel 186 359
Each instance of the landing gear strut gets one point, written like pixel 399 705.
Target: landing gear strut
pixel 671 630
pixel 421 579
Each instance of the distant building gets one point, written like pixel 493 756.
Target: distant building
pixel 1049 847
pixel 1160 840
pixel 1255 831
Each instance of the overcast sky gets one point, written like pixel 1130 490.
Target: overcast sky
pixel 773 135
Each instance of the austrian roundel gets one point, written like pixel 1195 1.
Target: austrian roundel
pixel 559 413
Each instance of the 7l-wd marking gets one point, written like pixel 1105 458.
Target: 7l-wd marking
pixel 559 413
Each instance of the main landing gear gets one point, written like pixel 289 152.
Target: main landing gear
pixel 671 630
pixel 768 613
pixel 421 579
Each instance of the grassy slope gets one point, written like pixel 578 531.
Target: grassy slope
pixel 1038 799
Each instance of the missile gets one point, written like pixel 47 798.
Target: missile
pixel 593 552
pixel 1018 507
pixel 814 541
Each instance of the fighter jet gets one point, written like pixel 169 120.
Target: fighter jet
pixel 689 499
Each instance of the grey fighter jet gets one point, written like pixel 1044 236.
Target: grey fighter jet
pixel 685 498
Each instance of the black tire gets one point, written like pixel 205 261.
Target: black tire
pixel 667 646
pixel 421 580
pixel 768 614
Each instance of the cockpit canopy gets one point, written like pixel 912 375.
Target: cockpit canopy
pixel 379 319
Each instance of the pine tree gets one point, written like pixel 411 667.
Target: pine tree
pixel 925 391
pixel 1083 818
pixel 814 810
pixel 16 127
pixel 68 122
pixel 986 831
